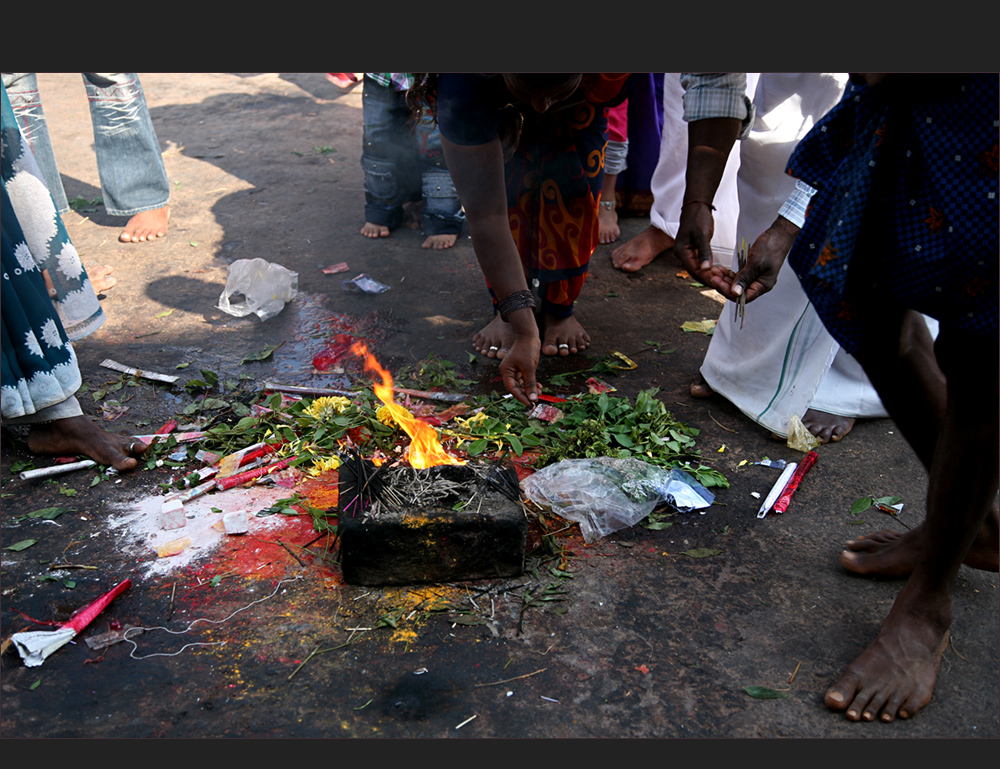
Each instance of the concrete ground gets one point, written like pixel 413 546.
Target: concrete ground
pixel 262 638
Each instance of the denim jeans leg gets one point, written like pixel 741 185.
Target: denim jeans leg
pixel 129 162
pixel 443 213
pixel 387 155
pixel 22 90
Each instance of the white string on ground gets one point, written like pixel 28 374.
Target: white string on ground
pixel 135 646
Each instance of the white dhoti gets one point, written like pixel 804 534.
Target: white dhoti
pixel 782 361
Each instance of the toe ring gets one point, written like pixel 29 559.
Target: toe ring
pixel 564 346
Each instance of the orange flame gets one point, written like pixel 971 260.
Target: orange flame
pixel 425 448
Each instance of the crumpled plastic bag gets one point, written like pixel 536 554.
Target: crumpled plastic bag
pixel 799 437
pixel 265 288
pixel 605 494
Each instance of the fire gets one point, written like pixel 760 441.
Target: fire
pixel 425 448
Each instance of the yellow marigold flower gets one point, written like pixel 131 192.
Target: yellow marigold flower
pixel 327 407
pixel 473 420
pixel 384 415
pixel 323 464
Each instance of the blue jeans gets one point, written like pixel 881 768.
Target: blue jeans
pixel 129 163
pixel 404 162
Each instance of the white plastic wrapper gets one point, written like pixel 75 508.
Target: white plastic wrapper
pixel 265 287
pixel 605 495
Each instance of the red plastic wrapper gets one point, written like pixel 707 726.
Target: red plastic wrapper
pixel 793 483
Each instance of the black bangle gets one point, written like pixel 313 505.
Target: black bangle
pixel 516 300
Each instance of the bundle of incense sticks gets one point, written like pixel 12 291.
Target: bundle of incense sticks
pixel 115 366
pixel 741 304
pixel 241 478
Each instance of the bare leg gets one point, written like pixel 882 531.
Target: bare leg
pixel 79 435
pixel 495 339
pixel 827 427
pixel 607 217
pixel 636 253
pixel 375 230
pixel 147 225
pixel 101 279
pixel 896 675
pixel 438 242
pixel 563 336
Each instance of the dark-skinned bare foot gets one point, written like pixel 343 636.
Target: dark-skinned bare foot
pixel 146 225
pixel 700 388
pixel 79 435
pixel 375 230
pixel 895 676
pixel 829 428
pixel 438 242
pixel 495 339
pixel 413 214
pixel 892 553
pixel 636 253
pixel 563 336
pixel 101 279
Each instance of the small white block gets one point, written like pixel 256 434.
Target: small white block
pixel 172 514
pixel 236 523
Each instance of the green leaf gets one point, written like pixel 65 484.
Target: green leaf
pixel 862 504
pixel 48 513
pixel 701 552
pixel 659 525
pixel 478 447
pixel 515 444
pixel 68 492
pixel 182 365
pixel 69 583
pixel 262 355
pixel 763 693
pixel 163 314
pixel 24 544
pixel 35 685
pixel 216 580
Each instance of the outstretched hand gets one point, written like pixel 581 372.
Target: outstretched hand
pixel 518 369
pixel 693 244
pixel 764 261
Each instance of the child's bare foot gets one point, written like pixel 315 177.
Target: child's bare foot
pixel 79 435
pixel 563 336
pixel 607 224
pixel 892 553
pixel 636 253
pixel 375 230
pixel 100 279
pixel 437 242
pixel 895 676
pixel 700 388
pixel 495 339
pixel 147 225
pixel 829 428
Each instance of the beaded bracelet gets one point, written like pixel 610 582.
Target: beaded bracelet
pixel 516 300
pixel 703 202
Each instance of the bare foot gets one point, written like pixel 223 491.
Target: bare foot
pixel 895 676
pixel 147 225
pixel 375 230
pixel 437 242
pixel 563 336
pixel 636 253
pixel 700 388
pixel 829 428
pixel 100 279
pixel 79 435
pixel 495 339
pixel 607 224
pixel 892 553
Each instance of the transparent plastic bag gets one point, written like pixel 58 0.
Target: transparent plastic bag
pixel 265 288
pixel 605 494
